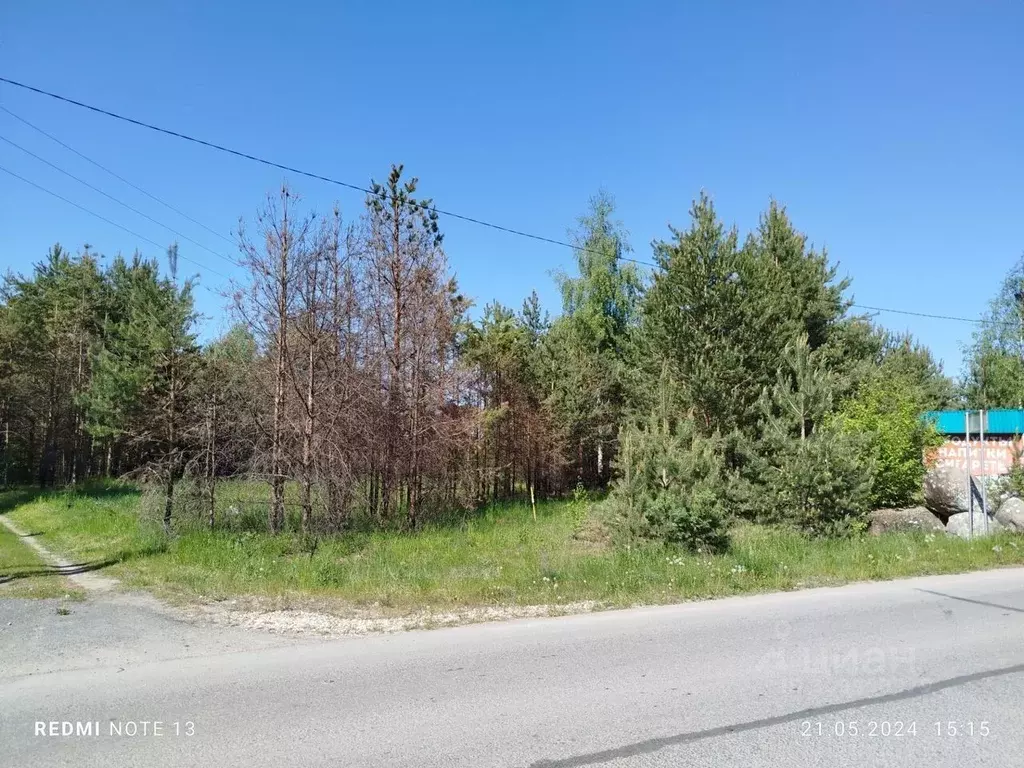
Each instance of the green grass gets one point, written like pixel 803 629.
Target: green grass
pixel 500 556
pixel 24 574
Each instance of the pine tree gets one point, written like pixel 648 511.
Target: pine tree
pixel 51 322
pixel 143 384
pixel 722 315
pixel 415 311
pixel 670 484
pixel 694 320
pixel 228 401
pixel 808 472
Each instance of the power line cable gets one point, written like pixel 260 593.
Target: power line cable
pixel 299 171
pixel 117 176
pixel 358 188
pixel 119 202
pixel 978 321
pixel 108 221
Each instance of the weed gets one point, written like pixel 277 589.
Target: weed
pixel 497 555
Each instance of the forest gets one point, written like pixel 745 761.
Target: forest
pixel 721 377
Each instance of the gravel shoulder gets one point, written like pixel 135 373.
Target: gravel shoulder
pixel 107 627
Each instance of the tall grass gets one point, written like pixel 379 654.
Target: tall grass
pixel 498 555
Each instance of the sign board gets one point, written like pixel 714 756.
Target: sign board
pixel 998 455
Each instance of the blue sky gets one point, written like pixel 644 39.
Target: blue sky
pixel 892 131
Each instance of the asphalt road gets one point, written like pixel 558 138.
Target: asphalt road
pixel 922 672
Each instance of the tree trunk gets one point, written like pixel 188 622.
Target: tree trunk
pixel 307 444
pixel 276 517
pixel 395 395
pixel 415 472
pixel 211 464
pixel 76 444
pixel 48 458
pixel 171 457
pixel 168 501
pixel 7 446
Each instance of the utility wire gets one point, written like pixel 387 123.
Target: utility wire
pixel 119 202
pixel 108 221
pixel 299 171
pixel 385 196
pixel 117 176
pixel 978 321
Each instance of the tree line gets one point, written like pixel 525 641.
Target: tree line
pixel 357 388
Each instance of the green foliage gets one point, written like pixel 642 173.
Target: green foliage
pixel 905 360
pixel 722 314
pixel 800 398
pixel 886 413
pixel 1010 485
pixel 500 559
pixel 694 319
pixel 579 507
pixel 806 473
pixel 669 488
pixel 995 360
pixel 773 403
pixel 147 360
pixel 49 324
pixel 590 347
pixel 820 485
pixel 505 349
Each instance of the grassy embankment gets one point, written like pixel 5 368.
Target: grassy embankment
pixel 22 572
pixel 497 556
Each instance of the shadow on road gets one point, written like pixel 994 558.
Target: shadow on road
pixel 53 570
pixel 653 745
pixel 976 602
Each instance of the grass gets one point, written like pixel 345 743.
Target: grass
pixel 24 574
pixel 499 556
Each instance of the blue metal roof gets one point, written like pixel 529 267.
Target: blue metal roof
pixel 999 421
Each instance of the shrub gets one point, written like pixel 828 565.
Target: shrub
pixel 820 485
pixel 1010 485
pixel 579 507
pixel 886 414
pixel 670 488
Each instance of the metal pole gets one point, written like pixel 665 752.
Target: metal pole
pixel 1019 296
pixel 984 477
pixel 970 495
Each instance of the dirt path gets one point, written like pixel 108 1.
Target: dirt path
pixel 109 628
pixel 78 573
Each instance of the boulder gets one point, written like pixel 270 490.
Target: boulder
pixel 1011 514
pixel 900 520
pixel 960 525
pixel 945 491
